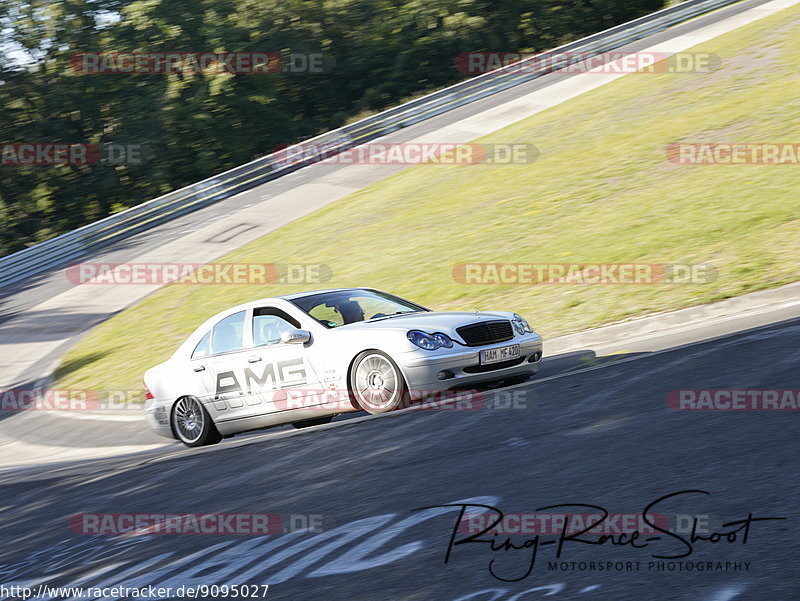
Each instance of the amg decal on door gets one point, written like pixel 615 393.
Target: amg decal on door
pixel 273 376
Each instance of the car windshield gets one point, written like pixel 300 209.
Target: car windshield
pixel 341 307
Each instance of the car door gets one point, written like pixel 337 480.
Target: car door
pixel 279 375
pixel 226 364
pixel 202 380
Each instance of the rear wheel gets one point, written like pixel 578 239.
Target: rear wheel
pixel 317 421
pixel 192 425
pixel 376 383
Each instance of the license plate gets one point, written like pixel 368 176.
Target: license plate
pixel 496 355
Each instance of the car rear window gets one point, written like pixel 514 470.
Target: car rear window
pixel 202 348
pixel 228 334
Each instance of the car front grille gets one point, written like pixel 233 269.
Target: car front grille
pixel 486 332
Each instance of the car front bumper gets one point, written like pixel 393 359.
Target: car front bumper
pixel 461 368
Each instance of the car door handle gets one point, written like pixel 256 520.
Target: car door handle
pixel 254 359
pixel 199 367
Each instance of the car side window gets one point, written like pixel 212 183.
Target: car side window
pixel 268 329
pixel 228 334
pixel 269 324
pixel 202 348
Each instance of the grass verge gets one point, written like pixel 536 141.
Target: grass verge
pixel 601 191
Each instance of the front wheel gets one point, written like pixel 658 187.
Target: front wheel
pixel 376 383
pixel 192 425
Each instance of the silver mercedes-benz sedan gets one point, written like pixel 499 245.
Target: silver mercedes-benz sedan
pixel 303 358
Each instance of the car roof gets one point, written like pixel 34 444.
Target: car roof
pixel 310 292
pixel 285 297
pixel 200 331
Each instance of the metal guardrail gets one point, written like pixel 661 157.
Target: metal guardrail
pixel 68 247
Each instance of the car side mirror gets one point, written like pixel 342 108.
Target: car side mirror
pixel 296 337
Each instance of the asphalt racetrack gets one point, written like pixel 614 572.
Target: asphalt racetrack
pixel 604 436
pixel 367 508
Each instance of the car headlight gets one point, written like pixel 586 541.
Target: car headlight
pixel 429 342
pixel 520 325
pixel 443 339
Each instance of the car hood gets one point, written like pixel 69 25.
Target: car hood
pixel 432 321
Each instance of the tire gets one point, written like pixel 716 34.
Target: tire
pixel 192 425
pixel 377 384
pixel 317 421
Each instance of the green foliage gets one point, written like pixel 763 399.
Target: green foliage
pixel 195 125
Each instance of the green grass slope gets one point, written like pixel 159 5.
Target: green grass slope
pixel 602 191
